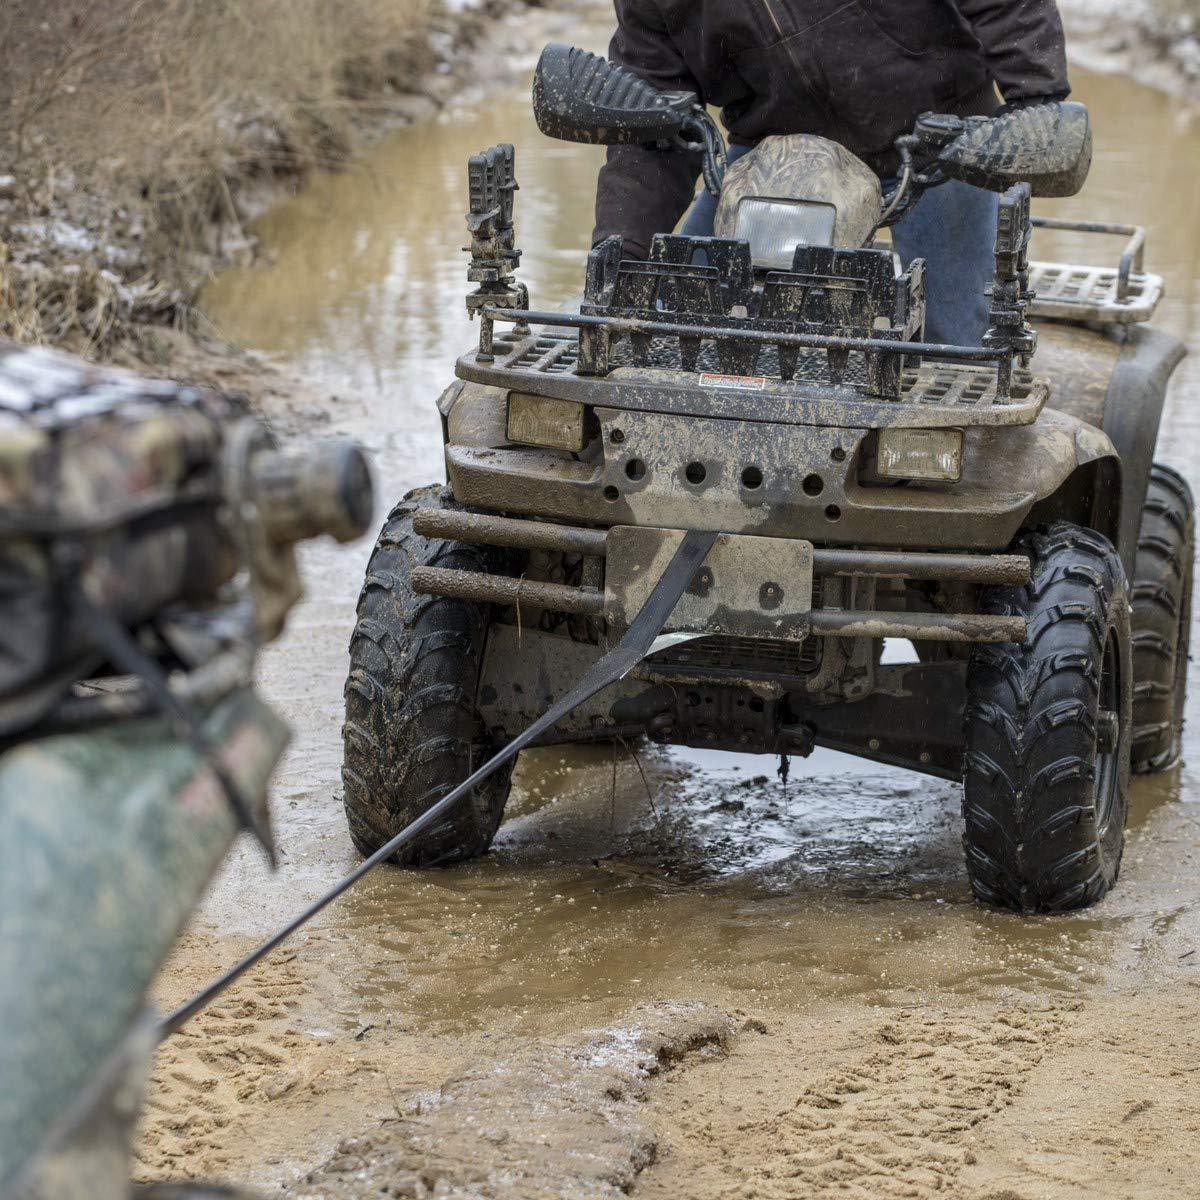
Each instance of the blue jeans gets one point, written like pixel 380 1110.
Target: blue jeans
pixel 952 227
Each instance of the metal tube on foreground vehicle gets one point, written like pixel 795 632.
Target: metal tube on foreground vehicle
pixel 629 651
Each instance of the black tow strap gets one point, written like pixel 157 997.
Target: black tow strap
pixel 618 662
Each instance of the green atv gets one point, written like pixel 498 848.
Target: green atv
pixel 998 508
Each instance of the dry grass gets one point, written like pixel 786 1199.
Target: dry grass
pixel 131 128
pixel 1171 10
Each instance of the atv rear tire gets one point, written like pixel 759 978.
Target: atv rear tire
pixel 1048 731
pixel 412 730
pixel 1162 619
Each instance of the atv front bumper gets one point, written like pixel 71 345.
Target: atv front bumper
pixel 749 586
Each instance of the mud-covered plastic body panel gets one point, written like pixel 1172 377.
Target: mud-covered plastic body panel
pixel 1106 389
pixel 1114 379
pixel 1006 471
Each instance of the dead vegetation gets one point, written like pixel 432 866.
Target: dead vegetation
pixel 1156 40
pixel 1173 27
pixel 133 132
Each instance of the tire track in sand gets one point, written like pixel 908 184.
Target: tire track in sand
pixel 559 1121
pixel 240 1050
pixel 890 1113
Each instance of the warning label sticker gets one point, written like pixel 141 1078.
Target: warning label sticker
pixel 743 383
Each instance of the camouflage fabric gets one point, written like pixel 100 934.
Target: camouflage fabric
pixel 84 447
pixel 800 166
pixel 106 480
pixel 107 840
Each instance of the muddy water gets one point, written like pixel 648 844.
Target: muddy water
pixel 705 877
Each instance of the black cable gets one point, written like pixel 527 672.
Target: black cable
pixel 627 653
pixel 125 653
pixel 711 146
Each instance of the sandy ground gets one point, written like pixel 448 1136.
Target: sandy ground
pixel 852 1036
pixel 1008 1101
pixel 680 977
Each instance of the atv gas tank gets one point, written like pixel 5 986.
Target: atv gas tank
pixel 776 480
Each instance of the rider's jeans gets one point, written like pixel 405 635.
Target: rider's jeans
pixel 952 227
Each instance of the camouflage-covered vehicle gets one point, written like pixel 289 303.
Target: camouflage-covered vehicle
pixel 147 536
pixel 997 507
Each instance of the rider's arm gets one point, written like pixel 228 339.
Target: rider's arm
pixel 642 191
pixel 1023 44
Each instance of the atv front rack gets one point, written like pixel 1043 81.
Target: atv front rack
pixel 937 386
pixel 840 325
pixel 1105 295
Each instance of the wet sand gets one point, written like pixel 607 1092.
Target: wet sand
pixel 865 1029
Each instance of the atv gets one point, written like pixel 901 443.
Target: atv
pixel 996 505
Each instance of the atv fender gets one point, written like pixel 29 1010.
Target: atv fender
pixel 1070 467
pixel 1132 414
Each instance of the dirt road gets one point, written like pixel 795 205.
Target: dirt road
pixel 694 982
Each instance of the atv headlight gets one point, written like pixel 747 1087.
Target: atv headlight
pixel 542 421
pixel 933 454
pixel 774 228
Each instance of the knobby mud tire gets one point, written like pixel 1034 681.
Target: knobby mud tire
pixel 412 729
pixel 1162 619
pixel 1035 838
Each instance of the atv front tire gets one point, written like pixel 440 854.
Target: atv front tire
pixel 1162 619
pixel 1048 731
pixel 412 730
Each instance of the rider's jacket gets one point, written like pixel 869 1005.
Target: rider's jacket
pixel 856 71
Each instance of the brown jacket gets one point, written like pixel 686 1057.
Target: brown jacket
pixel 856 71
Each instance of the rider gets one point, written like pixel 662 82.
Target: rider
pixel 856 71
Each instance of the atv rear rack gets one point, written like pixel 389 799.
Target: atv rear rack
pixel 1107 295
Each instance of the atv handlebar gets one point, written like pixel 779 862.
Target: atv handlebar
pixel 581 97
pixel 1046 144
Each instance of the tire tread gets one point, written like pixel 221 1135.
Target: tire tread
pixel 1161 592
pixel 1031 837
pixel 412 731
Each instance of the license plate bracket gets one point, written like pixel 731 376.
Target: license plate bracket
pixel 747 586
